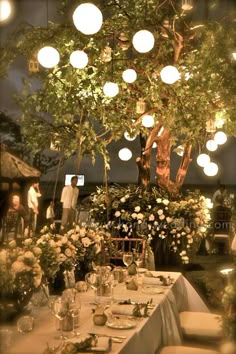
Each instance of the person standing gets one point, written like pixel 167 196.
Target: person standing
pixel 221 191
pixel 33 204
pixel 69 198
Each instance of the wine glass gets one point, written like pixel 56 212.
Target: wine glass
pixel 59 309
pixel 74 311
pixel 94 281
pixel 127 258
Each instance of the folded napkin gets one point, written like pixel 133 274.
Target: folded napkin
pixel 122 309
pixel 101 345
pixel 151 281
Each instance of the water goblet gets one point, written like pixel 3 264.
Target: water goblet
pixel 74 306
pixel 59 309
pixel 127 258
pixel 94 281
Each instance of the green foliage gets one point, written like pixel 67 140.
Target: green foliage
pixel 69 106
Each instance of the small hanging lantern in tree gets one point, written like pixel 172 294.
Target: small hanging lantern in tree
pixel 33 64
pixel 123 41
pixel 211 125
pixel 187 5
pixel 140 106
pixel 106 54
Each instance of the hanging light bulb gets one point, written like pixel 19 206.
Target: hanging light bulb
pixel 87 18
pixel 169 74
pixel 143 41
pixel 187 5
pixel 5 10
pixel 203 160
pixel 48 57
pixel 211 145
pixel 211 169
pixel 79 59
pixel 129 75
pixel 125 154
pixel 110 89
pixel 147 121
pixel 220 138
pixel 128 137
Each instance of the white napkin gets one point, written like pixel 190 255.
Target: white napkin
pixel 101 346
pixel 122 309
pixel 151 281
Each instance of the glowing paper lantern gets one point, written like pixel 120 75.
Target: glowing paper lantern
pixel 125 154
pixel 220 138
pixel 143 41
pixel 129 76
pixel 78 59
pixel 147 121
pixel 87 18
pixel 211 145
pixel 203 160
pixel 48 57
pixel 128 137
pixel 5 10
pixel 211 169
pixel 110 89
pixel 169 74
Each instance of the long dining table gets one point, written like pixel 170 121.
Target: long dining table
pixel 148 335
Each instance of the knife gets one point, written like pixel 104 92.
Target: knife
pixel 106 335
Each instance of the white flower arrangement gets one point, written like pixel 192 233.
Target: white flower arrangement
pixel 181 222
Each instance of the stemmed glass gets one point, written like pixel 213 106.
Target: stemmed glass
pixel 127 258
pixel 71 296
pixel 60 309
pixel 94 280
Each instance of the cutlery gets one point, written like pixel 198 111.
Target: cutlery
pixel 106 335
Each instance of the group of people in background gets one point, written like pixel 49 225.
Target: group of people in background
pixel 20 221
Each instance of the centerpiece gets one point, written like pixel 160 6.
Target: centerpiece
pixel 20 276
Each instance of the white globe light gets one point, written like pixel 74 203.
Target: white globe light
pixel 78 59
pixel 180 150
pixel 203 160
pixel 48 57
pixel 5 10
pixel 110 89
pixel 211 169
pixel 169 74
pixel 87 18
pixel 143 41
pixel 128 137
pixel 147 121
pixel 211 145
pixel 129 76
pixel 220 138
pixel 125 154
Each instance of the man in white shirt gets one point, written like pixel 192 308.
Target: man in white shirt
pixel 69 198
pixel 33 204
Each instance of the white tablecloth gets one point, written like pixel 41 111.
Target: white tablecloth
pixel 159 329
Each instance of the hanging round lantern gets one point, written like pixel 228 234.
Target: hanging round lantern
pixel 129 76
pixel 140 106
pixel 87 18
pixel 203 160
pixel 79 59
pixel 148 121
pixel 220 138
pixel 129 137
pixel 110 89
pixel 48 57
pixel 211 169
pixel 125 154
pixel 143 41
pixel 169 74
pixel 211 145
pixel 5 10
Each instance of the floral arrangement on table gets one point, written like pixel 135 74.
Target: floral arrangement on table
pixel 75 250
pixel 131 212
pixel 20 276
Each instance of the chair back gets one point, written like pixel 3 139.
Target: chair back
pixel 121 245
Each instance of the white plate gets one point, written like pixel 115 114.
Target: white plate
pixel 121 323
pixel 152 290
pixel 142 270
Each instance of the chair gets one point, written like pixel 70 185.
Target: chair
pixel 201 326
pixel 222 229
pixel 186 350
pixel 121 245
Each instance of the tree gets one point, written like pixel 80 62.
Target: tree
pixel 71 109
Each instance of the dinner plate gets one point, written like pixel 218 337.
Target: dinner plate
pixel 152 290
pixel 142 270
pixel 121 323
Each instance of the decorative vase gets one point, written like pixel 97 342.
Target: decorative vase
pixel 12 305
